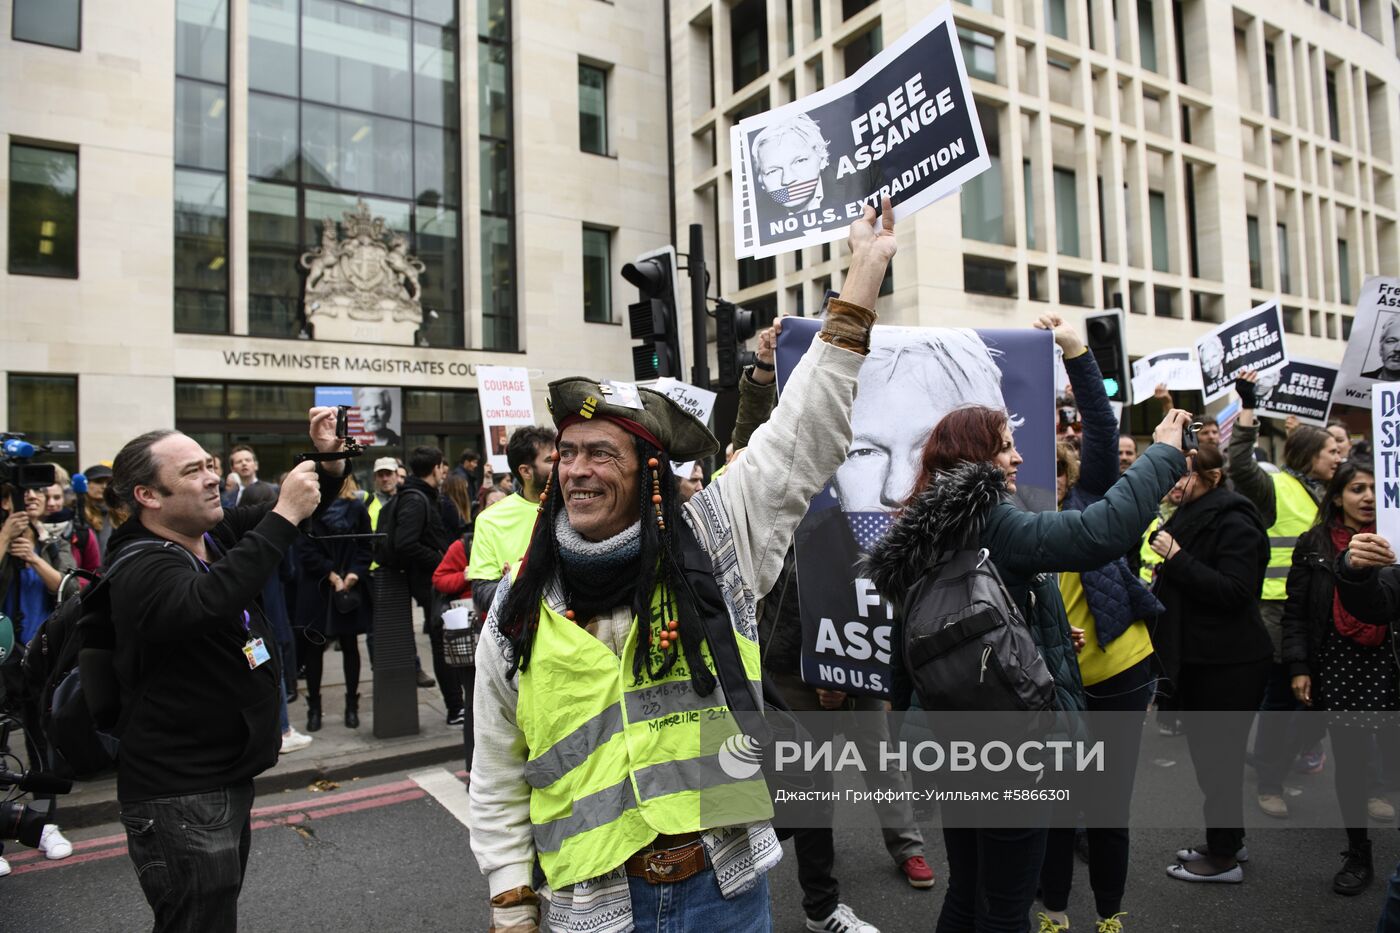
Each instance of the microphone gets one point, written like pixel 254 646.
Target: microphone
pixel 36 782
pixel 80 484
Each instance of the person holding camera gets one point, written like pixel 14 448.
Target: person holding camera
pixel 198 675
pixel 1212 648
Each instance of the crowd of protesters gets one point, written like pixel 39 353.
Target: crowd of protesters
pixel 1194 577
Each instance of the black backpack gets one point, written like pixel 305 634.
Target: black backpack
pixel 967 646
pixel 384 553
pixel 71 662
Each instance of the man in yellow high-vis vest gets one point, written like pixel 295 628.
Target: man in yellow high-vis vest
pixel 1288 502
pixel 597 710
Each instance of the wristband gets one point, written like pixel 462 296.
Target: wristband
pixel 766 367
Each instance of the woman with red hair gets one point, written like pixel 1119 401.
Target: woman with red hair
pixel 962 500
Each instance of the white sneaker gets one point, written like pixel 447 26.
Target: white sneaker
pixel 842 920
pixel 294 741
pixel 52 843
pixel 4 867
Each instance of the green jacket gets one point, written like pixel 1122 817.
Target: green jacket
pixel 968 508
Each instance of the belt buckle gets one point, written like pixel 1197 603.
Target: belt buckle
pixel 659 871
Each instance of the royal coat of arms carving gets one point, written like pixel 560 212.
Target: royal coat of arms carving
pixel 363 287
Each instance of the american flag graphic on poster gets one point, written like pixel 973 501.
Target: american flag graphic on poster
pixel 794 194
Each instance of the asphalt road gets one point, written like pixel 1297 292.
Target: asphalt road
pixel 391 853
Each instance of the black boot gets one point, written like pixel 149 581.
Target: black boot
pixel 1357 871
pixel 352 711
pixel 313 713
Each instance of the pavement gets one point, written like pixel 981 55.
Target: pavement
pixel 336 753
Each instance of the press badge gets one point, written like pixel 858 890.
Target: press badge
pixel 256 653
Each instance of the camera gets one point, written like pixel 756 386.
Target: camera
pixel 21 822
pixel 1188 437
pixel 19 473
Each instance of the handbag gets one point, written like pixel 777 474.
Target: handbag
pixel 347 601
pixel 461 624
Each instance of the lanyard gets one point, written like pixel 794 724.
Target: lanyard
pixel 209 543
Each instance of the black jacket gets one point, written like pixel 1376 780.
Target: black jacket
pixel 421 539
pixel 199 717
pixel 1210 590
pixel 318 557
pixel 1307 613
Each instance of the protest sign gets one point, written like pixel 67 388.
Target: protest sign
pixel 1303 388
pixel 904 126
pixel 1385 434
pixel 912 377
pixel 375 418
pixel 504 393
pixel 1373 351
pixel 1174 367
pixel 699 402
pixel 1250 341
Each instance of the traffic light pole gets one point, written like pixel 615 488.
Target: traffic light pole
pixel 699 330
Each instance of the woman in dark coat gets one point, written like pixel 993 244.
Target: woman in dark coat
pixel 1213 648
pixel 962 501
pixel 1340 663
pixel 332 600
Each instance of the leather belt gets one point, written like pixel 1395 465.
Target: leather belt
pixel 668 859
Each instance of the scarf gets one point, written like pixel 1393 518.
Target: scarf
pixel 1362 633
pixel 598 576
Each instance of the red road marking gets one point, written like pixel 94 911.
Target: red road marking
pixel 280 814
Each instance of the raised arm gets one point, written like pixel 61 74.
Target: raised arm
pixel 1248 476
pixel 1098 447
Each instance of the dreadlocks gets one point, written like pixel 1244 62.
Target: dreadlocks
pixel 659 562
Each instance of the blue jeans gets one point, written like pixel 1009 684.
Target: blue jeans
pixel 696 904
pixel 190 853
pixel 1390 913
pixel 992 874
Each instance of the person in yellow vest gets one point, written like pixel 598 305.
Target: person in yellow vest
pixel 1288 502
pixel 386 484
pixel 600 721
pixel 502 531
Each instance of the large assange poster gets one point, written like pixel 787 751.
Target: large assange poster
pixel 903 126
pixel 1373 351
pixel 912 377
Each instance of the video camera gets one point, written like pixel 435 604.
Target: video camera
pixel 17 470
pixel 352 448
pixel 21 822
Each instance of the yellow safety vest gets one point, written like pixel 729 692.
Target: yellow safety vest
pixel 1295 512
pixel 612 762
pixel 374 507
pixel 1148 558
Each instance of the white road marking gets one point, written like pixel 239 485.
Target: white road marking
pixel 446 789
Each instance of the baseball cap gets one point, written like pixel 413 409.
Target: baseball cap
pixel 386 463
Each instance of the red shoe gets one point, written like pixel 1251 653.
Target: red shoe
pixel 917 872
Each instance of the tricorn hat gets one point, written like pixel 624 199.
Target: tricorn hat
pixel 638 410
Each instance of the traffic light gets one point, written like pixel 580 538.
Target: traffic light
pixel 733 326
pixel 655 317
pixel 1104 337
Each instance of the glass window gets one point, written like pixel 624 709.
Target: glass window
pixel 850 8
pixel 989 276
pixel 355 57
pixel 356 151
pixel 748 39
pixel 597 275
pixel 1256 268
pixel 1334 116
pixel 495 177
pixel 201 39
pixel 592 109
pixel 199 400
pixel 262 402
pixel 1147 35
pixel 757 271
pixel 274 282
pixel 272 137
pixel 1344 272
pixel 1157 218
pixel 816 19
pixel 1030 199
pixel 201 252
pixel 434 75
pixel 497 283
pixel 1285 283
pixel 48 22
pixel 435 166
pixel 44 409
pixel 201 125
pixel 493 19
pixel 862 49
pixel 1271 78
pixel 979 52
pixel 1066 212
pixel 43 211
pixel 495 92
pixel 272 46
pixel 982 206
pixel 1056 20
pixel 437 245
pixel 442 12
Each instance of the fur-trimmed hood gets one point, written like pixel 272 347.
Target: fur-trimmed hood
pixel 949 515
